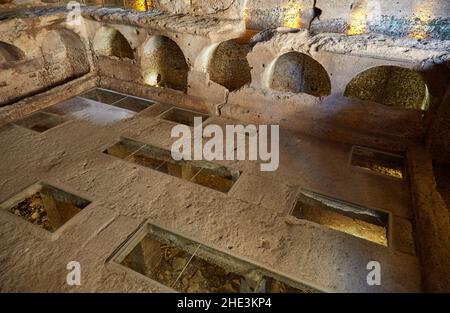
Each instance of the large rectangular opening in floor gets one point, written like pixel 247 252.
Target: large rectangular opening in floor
pixel 181 116
pixel 133 104
pixel 203 173
pixel 45 206
pixel 381 162
pixel 185 265
pixel 103 96
pixel 365 223
pixel 41 121
pixel 118 100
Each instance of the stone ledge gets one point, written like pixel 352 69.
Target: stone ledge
pixel 370 46
pixel 210 27
pixel 214 28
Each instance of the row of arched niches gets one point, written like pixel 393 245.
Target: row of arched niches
pixel 162 63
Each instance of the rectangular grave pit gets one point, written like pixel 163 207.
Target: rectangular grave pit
pixel 41 121
pixel 181 116
pixel 103 96
pixel 45 206
pixel 379 162
pixel 203 173
pixel 184 265
pixel 361 222
pixel 133 104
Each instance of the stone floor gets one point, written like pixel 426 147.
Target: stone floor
pixel 251 221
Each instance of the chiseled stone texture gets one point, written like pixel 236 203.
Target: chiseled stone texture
pixel 124 195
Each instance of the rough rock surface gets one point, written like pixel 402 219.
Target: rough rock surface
pixel 124 194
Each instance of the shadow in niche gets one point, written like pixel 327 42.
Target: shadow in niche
pixel 299 73
pixel 163 64
pixel 109 41
pixel 229 66
pixel 392 86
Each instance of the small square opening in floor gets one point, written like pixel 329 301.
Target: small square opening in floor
pixel 352 219
pixel 189 266
pixel 381 162
pixel 180 116
pixel 45 206
pixel 41 121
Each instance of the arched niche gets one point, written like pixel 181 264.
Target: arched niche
pixel 108 41
pixel 64 55
pixel 228 65
pixel 299 73
pixel 392 86
pixel 163 64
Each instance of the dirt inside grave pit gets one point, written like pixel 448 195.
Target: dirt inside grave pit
pixel 178 270
pixel 379 162
pixel 336 219
pixel 32 209
pixel 397 173
pixel 45 211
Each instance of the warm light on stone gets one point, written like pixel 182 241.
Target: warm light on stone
pixel 358 21
pixel 155 143
pixel 422 16
pixel 138 5
pixel 151 79
pixel 292 18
